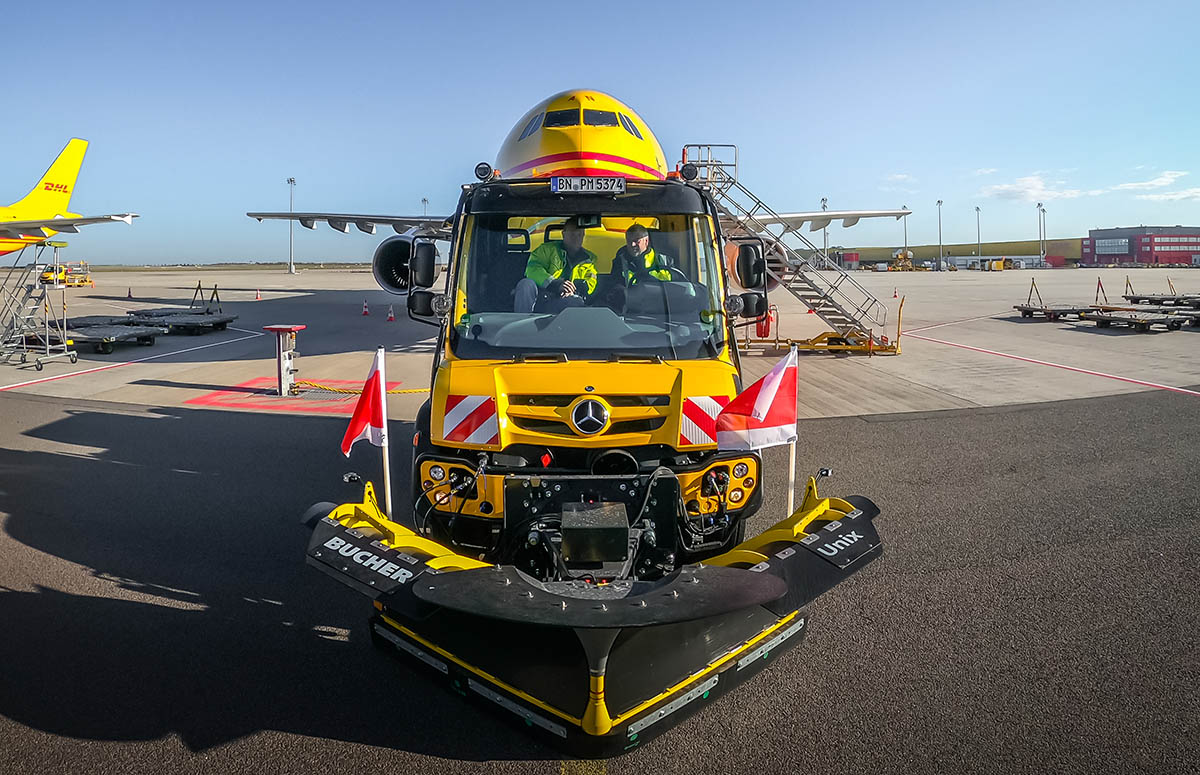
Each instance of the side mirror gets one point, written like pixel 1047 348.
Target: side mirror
pixel 420 303
pixel 423 268
pixel 750 265
pixel 754 305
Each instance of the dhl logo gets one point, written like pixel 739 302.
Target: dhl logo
pixel 58 188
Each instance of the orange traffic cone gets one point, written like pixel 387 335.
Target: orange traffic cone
pixel 365 310
pixel 257 295
pixel 391 315
pixel 895 292
pixel 129 294
pixel 811 311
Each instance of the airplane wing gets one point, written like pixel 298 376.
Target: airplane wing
pixel 822 218
pixel 38 228
pixel 436 226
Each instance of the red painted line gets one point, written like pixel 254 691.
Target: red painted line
pixel 581 156
pixel 126 363
pixel 1075 369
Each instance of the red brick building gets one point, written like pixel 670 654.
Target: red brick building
pixel 1142 245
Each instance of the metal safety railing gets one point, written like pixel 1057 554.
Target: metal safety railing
pixel 803 269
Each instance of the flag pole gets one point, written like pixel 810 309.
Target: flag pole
pixel 387 468
pixel 791 478
pixel 791 507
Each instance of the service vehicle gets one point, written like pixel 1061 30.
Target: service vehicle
pixel 573 547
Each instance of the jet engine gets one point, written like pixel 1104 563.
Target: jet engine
pixel 390 264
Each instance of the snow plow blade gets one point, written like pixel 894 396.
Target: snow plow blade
pixel 595 669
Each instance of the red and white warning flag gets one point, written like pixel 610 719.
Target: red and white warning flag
pixel 370 414
pixel 764 414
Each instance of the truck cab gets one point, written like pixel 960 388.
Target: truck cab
pixel 598 416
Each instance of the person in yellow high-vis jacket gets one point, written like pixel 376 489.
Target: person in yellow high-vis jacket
pixel 558 275
pixel 638 261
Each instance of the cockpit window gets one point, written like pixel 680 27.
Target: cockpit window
pixel 599 117
pixel 531 127
pixel 630 127
pixel 559 118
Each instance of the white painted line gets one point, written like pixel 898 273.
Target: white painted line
pixel 1076 369
pixel 127 363
pixel 953 323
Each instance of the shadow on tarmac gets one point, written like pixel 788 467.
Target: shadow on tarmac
pixel 229 633
pixel 333 319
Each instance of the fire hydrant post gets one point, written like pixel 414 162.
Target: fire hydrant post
pixel 285 355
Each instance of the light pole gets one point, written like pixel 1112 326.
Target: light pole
pixel 978 242
pixel 291 206
pixel 1041 248
pixel 825 231
pixel 939 206
pixel 424 206
pixel 1045 237
pixel 905 220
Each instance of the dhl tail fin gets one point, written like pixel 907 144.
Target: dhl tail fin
pixel 52 194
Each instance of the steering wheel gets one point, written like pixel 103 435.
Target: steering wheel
pixel 677 275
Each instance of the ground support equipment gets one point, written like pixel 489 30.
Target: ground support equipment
pixel 1138 320
pixel 1056 311
pixel 593 668
pixel 792 259
pixel 853 341
pixel 102 337
pixel 178 322
pixel 1052 311
pixel 30 325
pixel 1171 299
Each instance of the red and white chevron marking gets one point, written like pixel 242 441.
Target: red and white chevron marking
pixel 698 425
pixel 471 420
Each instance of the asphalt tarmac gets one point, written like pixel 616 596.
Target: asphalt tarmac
pixel 1034 611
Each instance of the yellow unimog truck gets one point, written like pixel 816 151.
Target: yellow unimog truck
pixel 572 549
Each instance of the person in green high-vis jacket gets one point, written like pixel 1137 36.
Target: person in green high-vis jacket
pixel 559 274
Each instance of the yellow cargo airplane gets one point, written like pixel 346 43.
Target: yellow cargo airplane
pixel 580 132
pixel 43 212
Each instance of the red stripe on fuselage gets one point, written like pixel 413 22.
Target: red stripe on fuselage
pixel 582 156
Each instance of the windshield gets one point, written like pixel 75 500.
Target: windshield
pixel 593 286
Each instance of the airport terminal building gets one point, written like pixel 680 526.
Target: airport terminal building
pixel 1142 245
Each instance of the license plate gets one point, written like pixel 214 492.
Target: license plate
pixel 586 184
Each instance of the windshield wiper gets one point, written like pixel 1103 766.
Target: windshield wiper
pixel 616 357
pixel 525 357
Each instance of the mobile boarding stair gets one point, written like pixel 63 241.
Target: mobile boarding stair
pixel 859 320
pixel 29 326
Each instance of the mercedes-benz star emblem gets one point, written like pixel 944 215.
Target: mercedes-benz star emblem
pixel 589 416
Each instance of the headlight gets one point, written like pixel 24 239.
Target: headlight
pixel 736 495
pixel 740 470
pixel 437 473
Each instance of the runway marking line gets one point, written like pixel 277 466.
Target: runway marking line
pixel 259 394
pixel 953 322
pixel 108 366
pixel 1063 366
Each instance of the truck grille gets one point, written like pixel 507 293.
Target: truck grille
pixel 566 399
pixel 558 428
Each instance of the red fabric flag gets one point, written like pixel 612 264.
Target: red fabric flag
pixel 763 415
pixel 370 418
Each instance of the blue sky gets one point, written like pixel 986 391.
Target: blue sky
pixel 199 113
